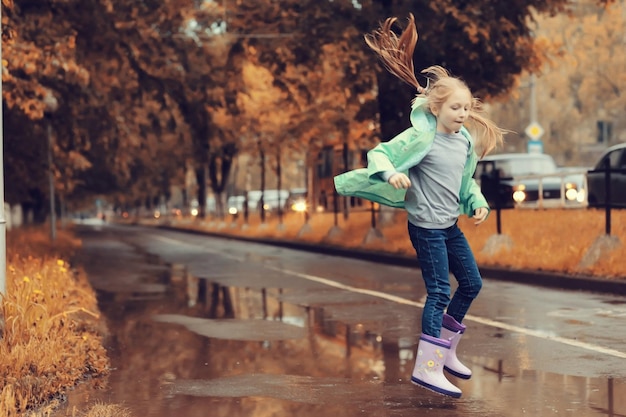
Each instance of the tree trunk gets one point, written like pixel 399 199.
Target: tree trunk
pixel 200 180
pixel 346 168
pixel 279 184
pixel 219 172
pixel 262 200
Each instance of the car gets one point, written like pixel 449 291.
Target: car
pixel 272 200
pixel 235 204
pixel 596 178
pixel 577 175
pixel 532 180
pixel 297 200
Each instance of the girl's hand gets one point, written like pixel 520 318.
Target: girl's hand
pixel 400 180
pixel 480 214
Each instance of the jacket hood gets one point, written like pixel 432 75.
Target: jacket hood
pixel 422 119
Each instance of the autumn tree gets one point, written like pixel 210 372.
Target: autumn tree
pixel 142 87
pixel 580 83
pixel 127 95
pixel 39 65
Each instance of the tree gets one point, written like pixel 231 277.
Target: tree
pixel 580 83
pixel 138 80
pixel 116 102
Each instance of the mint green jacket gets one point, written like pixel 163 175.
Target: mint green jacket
pixel 401 153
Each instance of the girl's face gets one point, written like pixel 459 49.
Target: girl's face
pixel 454 111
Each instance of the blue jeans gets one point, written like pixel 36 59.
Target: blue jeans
pixel 441 251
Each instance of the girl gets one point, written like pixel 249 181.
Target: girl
pixel 428 169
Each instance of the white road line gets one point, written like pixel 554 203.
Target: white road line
pixel 488 322
pixel 476 319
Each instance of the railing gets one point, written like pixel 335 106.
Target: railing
pixel 492 186
pixel 609 203
pixel 562 202
pixel 500 198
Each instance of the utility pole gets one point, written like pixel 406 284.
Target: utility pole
pixel 51 106
pixel 53 217
pixel 534 131
pixel 3 221
pixel 533 99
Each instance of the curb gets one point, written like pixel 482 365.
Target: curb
pixel 529 277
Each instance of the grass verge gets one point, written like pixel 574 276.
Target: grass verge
pixel 553 240
pixel 50 334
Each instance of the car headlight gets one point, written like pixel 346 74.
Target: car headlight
pixel 571 194
pixel 519 196
pixel 571 191
pixel 299 206
pixel 519 193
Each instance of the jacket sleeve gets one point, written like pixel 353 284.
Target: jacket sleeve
pixel 474 198
pixel 382 159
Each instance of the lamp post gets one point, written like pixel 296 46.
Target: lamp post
pixel 51 106
pixel 3 222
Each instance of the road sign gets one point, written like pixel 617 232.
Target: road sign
pixel 534 131
pixel 535 146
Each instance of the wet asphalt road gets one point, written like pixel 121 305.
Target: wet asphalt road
pixel 201 326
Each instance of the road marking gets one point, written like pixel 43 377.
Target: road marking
pixel 488 322
pixel 393 298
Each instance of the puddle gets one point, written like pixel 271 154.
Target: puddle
pixel 202 348
pixel 234 329
pixel 297 388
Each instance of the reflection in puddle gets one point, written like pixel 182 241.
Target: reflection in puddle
pixel 208 349
pixel 303 389
pixel 235 329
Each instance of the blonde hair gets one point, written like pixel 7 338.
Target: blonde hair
pixel 396 53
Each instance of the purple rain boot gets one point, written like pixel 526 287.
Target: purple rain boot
pixel 429 362
pixel 452 331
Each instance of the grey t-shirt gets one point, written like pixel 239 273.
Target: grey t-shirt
pixel 432 200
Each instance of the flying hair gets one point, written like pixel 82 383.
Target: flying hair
pixel 396 54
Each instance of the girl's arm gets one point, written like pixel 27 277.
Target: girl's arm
pixel 474 199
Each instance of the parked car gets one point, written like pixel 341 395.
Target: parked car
pixel 297 200
pixel 577 175
pixel 235 204
pixel 616 157
pixel 272 200
pixel 515 180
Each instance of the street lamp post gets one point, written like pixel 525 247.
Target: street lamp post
pixel 51 106
pixel 3 222
pixel 53 218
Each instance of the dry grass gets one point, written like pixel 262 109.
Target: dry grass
pixel 51 337
pixel 548 240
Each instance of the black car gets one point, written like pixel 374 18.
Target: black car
pixel 526 180
pixel 596 178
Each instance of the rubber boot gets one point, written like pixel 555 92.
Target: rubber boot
pixel 428 370
pixel 452 330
